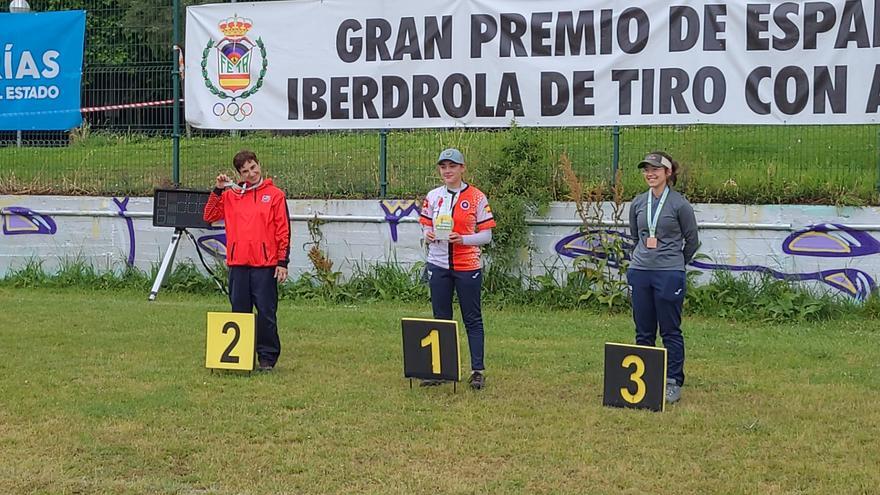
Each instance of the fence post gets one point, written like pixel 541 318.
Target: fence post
pixel 383 163
pixel 175 76
pixel 17 8
pixel 615 157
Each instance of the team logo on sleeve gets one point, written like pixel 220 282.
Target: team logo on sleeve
pixel 487 210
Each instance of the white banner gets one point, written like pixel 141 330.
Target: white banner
pixel 344 64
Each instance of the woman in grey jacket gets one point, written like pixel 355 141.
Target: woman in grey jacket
pixel 665 229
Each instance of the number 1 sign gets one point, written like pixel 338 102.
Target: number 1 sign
pixel 230 342
pixel 430 349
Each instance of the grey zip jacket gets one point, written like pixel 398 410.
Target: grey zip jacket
pixel 677 237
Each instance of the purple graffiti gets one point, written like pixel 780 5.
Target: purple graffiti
pixel 830 240
pixel 18 220
pixel 123 206
pixel 396 209
pixel 850 281
pixel 592 243
pixel 855 283
pixel 214 244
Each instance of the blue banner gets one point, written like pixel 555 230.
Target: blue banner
pixel 41 70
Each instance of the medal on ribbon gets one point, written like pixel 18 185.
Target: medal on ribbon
pixel 654 217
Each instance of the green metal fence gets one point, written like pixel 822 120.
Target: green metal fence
pixel 129 151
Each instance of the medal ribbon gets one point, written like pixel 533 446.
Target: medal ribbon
pixel 245 188
pixel 654 218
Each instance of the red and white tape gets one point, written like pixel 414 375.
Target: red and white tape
pixel 92 109
pixel 128 105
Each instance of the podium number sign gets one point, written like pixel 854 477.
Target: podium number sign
pixel 635 376
pixel 430 349
pixel 433 342
pixel 230 342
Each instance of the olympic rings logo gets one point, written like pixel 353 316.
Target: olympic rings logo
pixel 233 111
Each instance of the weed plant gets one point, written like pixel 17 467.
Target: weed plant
pixel 742 297
pixel 516 189
pixel 601 276
pixel 77 272
pixel 752 296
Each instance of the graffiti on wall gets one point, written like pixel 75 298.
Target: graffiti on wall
pixel 18 220
pixel 822 240
pixel 213 244
pixel 589 243
pixel 395 210
pixel 122 204
pixel 831 240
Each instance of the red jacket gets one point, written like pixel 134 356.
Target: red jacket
pixel 257 225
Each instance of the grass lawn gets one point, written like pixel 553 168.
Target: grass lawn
pixel 733 164
pixel 105 393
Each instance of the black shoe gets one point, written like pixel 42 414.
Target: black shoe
pixel 266 365
pixel 477 380
pixel 430 383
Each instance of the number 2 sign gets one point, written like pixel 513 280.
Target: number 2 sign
pixel 430 349
pixel 230 341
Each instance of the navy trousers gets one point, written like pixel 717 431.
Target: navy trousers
pixel 252 286
pixel 468 286
pixel 657 297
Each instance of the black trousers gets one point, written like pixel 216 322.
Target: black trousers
pixel 252 286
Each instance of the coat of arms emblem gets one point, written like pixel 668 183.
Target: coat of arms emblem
pixel 235 56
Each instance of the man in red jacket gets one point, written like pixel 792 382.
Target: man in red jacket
pixel 257 247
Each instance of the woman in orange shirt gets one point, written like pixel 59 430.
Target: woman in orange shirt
pixel 456 220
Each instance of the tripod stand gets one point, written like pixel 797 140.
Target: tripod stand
pixel 168 260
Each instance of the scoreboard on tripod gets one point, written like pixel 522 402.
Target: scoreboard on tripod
pixel 180 208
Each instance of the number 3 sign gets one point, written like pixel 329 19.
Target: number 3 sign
pixel 231 341
pixel 635 376
pixel 430 349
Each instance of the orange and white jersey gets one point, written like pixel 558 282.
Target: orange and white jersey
pixel 470 214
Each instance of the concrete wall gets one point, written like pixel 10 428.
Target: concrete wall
pixel 829 247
